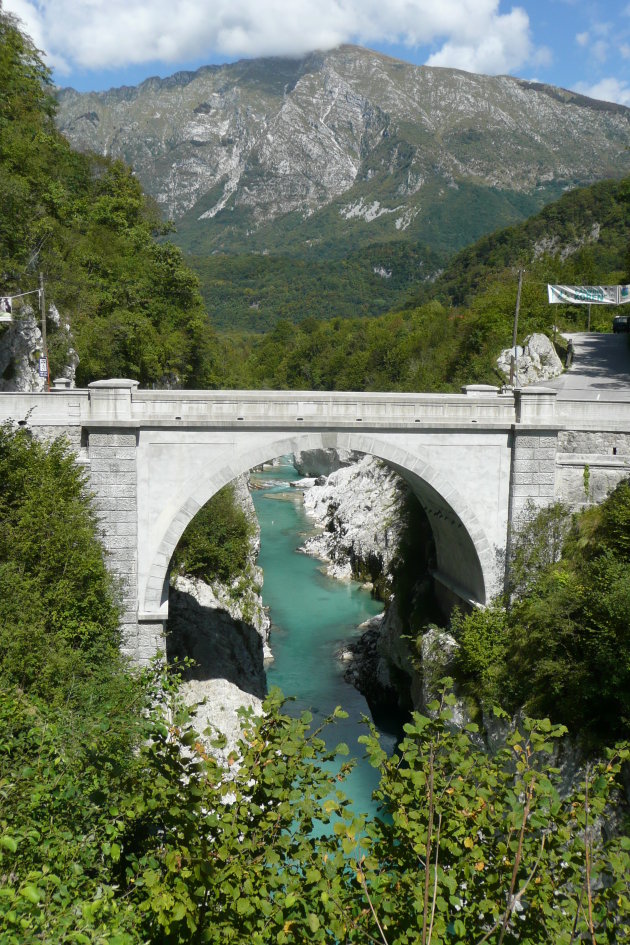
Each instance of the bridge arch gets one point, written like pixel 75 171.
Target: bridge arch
pixel 465 559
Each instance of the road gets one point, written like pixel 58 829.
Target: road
pixel 600 369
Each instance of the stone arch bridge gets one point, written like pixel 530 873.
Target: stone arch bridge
pixel 474 460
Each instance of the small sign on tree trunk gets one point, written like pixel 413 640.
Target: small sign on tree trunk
pixel 6 308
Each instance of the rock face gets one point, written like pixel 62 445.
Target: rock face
pixel 21 347
pixel 222 645
pixel 314 463
pixel 536 361
pixel 222 703
pixel 348 143
pixel 359 508
pixel 225 630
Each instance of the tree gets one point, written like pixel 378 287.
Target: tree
pixel 477 847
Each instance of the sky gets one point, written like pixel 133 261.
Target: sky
pixel 582 45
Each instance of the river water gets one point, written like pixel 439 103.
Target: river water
pixel 311 616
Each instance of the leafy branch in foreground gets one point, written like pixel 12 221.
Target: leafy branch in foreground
pixel 477 848
pixel 164 845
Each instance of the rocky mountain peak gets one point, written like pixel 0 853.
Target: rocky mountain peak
pixel 346 146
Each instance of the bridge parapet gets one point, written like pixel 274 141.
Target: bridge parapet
pixel 603 412
pixel 118 402
pixel 292 408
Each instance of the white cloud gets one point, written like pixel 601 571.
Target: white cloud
pixel 543 56
pixel 33 21
pixel 502 47
pixel 582 39
pixel 608 90
pixel 97 34
pixel 624 49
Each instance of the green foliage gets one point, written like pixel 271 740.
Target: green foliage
pixel 483 638
pixel 562 645
pixel 538 544
pixel 57 605
pixel 216 544
pixel 161 844
pixel 410 351
pixel 490 848
pixel 567 222
pixel 133 305
pixel 254 292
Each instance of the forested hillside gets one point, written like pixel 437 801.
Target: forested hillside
pixel 450 333
pixel 581 238
pixel 133 306
pixel 252 292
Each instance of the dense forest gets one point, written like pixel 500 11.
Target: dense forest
pixel 117 826
pixel 580 238
pixel 133 306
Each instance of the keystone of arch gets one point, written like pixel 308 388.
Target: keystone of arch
pixel 218 474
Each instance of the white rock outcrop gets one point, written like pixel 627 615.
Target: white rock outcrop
pixel 323 462
pixel 225 630
pixel 359 509
pixel 536 361
pixel 20 348
pixel 219 705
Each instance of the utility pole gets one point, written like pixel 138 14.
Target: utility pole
pixel 588 327
pixel 42 309
pixel 514 364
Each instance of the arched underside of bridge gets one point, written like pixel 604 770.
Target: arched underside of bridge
pixel 465 560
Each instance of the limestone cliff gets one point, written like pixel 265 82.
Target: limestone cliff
pixel 224 629
pixel 21 346
pixel 365 512
pixel 360 510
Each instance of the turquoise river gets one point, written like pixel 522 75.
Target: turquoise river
pixel 311 616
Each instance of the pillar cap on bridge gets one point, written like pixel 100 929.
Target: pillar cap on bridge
pixel 487 390
pixel 111 400
pixel 115 382
pixel 535 404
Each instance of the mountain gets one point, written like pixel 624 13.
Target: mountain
pixel 320 156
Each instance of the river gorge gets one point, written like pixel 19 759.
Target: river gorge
pixel 301 625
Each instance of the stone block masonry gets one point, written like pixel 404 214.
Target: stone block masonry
pixel 112 468
pixel 533 470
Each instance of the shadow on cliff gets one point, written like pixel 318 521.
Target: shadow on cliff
pixel 221 647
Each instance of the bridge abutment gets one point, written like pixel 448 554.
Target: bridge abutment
pixel 112 457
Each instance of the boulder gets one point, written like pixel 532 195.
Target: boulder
pixel 323 462
pixel 536 361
